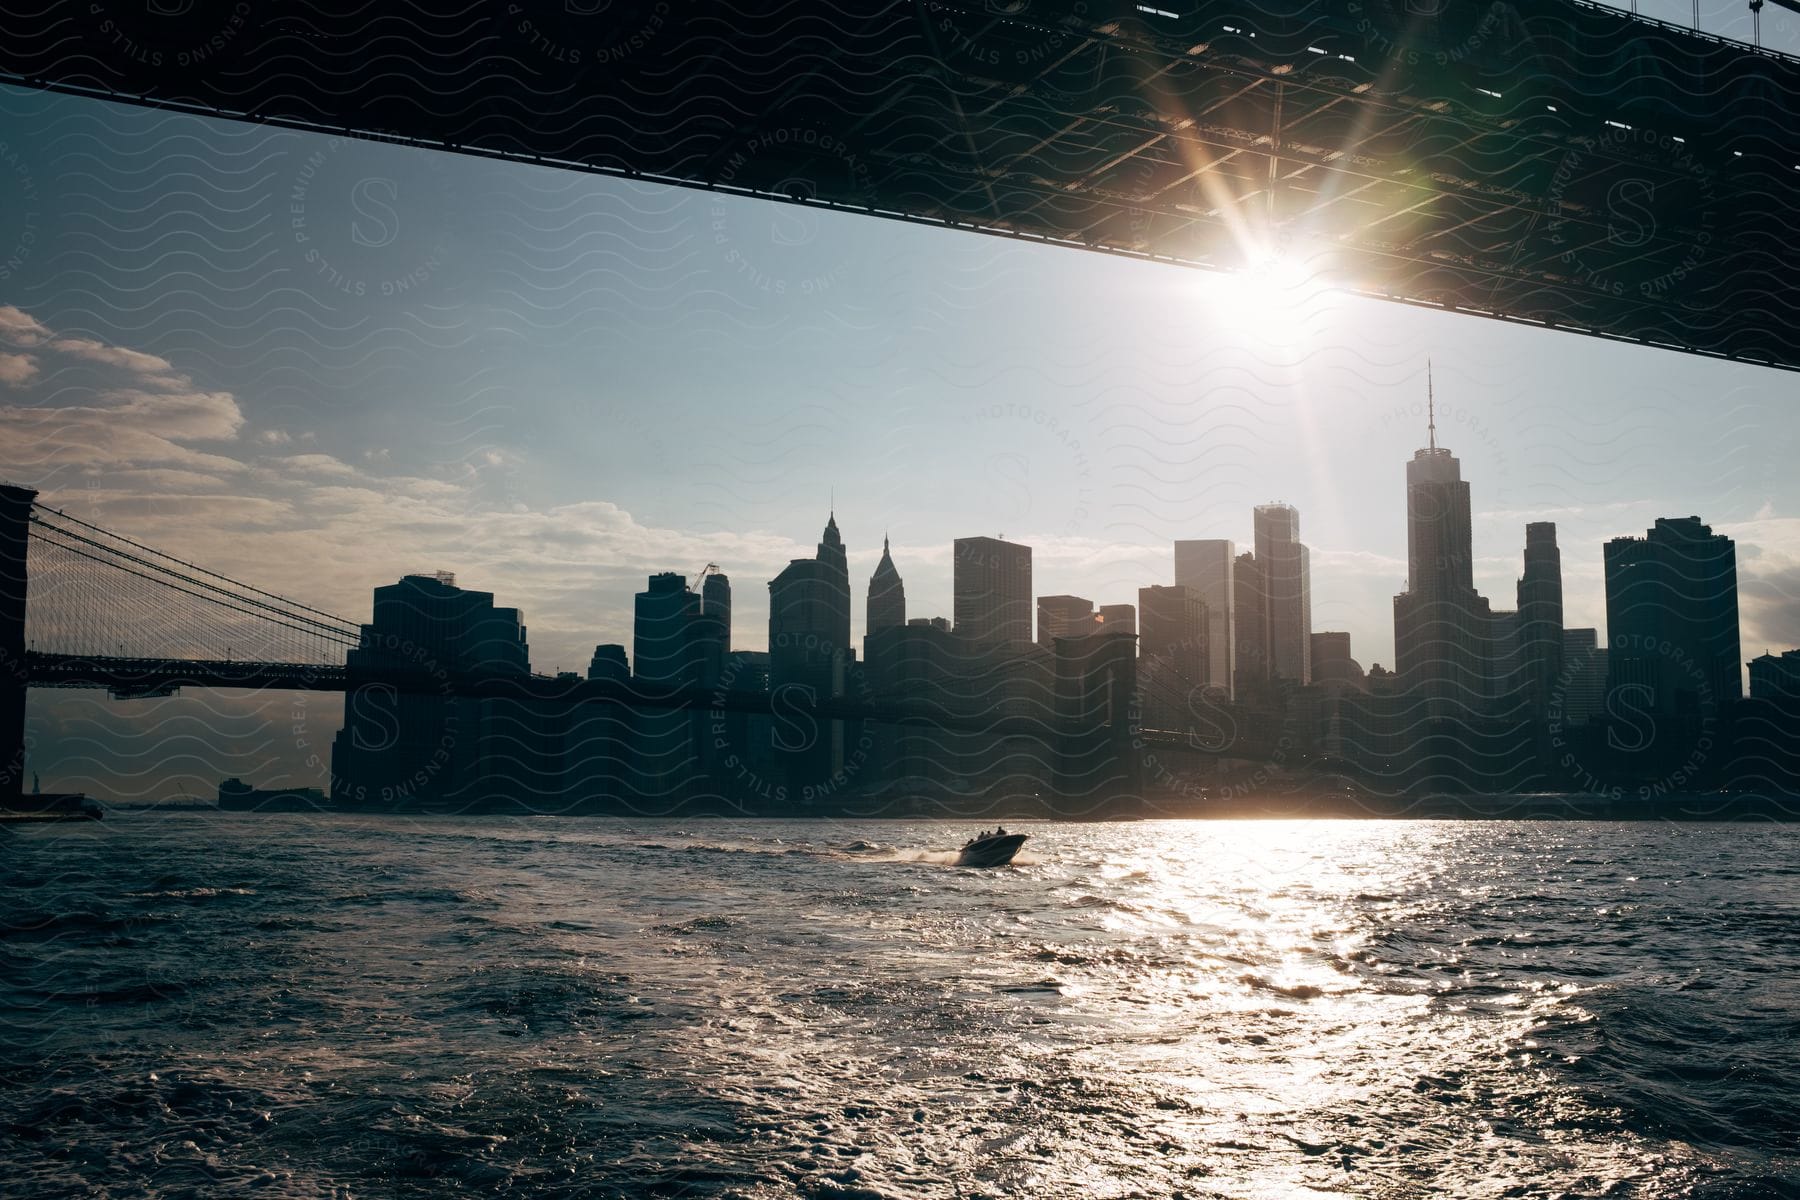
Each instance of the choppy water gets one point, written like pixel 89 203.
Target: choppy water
pixel 201 1005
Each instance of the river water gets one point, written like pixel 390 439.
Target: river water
pixel 197 1004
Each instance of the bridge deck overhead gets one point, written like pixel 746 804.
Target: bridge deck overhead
pixel 1543 161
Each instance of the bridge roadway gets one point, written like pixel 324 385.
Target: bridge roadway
pixel 1551 162
pixel 145 677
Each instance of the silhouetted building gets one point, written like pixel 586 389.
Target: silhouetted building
pixel 809 659
pixel 1097 772
pixel 1672 617
pixel 1775 678
pixel 992 590
pixel 663 629
pixel 1205 565
pixel 715 603
pixel 1331 660
pixel 1172 628
pixel 409 739
pixel 1540 628
pixel 1117 618
pixel 1443 628
pixel 921 663
pixel 1063 617
pixel 886 605
pixel 608 664
pixel 1287 584
pixel 836 572
pixel 600 741
pixel 676 641
pixel 1250 617
pixel 1579 694
pixel 711 635
pixel 1172 653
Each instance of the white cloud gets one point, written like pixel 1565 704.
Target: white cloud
pixel 21 328
pixel 124 429
pixel 17 368
pixel 314 466
pixel 135 361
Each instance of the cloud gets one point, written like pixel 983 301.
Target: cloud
pixel 124 429
pixel 135 361
pixel 313 465
pixel 21 328
pixel 17 368
pixel 1768 562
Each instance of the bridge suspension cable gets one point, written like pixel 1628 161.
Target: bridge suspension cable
pixel 97 592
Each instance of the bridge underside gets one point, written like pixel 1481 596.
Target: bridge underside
pixel 1542 161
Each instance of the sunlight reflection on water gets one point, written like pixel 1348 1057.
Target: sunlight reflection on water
pixel 573 1006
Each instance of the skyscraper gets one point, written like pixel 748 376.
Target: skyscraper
pixel 404 749
pixel 1250 609
pixel 1332 661
pixel 1288 586
pixel 1580 692
pixel 608 664
pixel 809 650
pixel 1172 634
pixel 715 602
pixel 1064 617
pixel 1443 628
pixel 711 638
pixel 1205 566
pixel 992 590
pixel 662 629
pixel 1672 617
pixel 1540 625
pixel 836 577
pixel 809 610
pixel 886 605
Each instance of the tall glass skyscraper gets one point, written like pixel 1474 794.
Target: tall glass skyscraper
pixel 1443 628
pixel 1672 617
pixel 991 588
pixel 1205 566
pixel 1287 584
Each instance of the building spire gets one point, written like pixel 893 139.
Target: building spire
pixel 1430 405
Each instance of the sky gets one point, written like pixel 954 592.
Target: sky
pixel 318 364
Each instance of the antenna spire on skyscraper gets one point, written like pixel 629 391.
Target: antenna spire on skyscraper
pixel 1430 405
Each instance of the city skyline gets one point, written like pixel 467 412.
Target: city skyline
pixel 559 452
pixel 1098 408
pixel 1458 557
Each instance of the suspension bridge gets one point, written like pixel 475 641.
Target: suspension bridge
pixel 1556 163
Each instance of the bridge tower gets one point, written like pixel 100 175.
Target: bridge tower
pixel 15 533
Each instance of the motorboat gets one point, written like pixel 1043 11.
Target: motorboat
pixel 990 850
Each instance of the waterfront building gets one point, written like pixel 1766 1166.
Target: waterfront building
pixel 1205 566
pixel 1672 617
pixel 991 586
pixel 1063 617
pixel 1287 585
pixel 886 604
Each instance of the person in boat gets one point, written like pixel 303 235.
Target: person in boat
pixel 1000 831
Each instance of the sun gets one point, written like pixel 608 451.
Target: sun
pixel 1276 299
